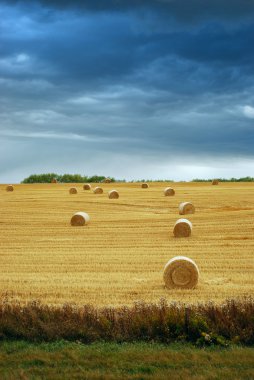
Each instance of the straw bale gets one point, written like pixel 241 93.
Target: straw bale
pixel 113 194
pixel 98 190
pixel 182 228
pixel 181 272
pixel 80 219
pixel 186 208
pixel 169 192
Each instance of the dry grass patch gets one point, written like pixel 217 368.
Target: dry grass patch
pixel 119 257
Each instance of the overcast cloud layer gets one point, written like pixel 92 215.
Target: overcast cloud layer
pixel 130 89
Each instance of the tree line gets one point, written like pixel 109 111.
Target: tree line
pixel 242 179
pixel 78 178
pixel 64 178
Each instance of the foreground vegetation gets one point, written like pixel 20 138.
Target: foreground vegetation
pixel 202 325
pixel 63 360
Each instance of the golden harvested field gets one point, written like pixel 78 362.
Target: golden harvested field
pixel 119 257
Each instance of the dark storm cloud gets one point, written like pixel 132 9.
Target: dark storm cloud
pixel 184 10
pixel 88 48
pixel 154 79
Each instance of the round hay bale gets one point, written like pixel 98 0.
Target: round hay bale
pixel 107 180
pixel 73 190
pixel 181 272
pixel 215 182
pixel 80 219
pixel 144 186
pixel 54 180
pixel 169 192
pixel 113 194
pixel 186 208
pixel 87 186
pixel 182 228
pixel 98 190
pixel 9 188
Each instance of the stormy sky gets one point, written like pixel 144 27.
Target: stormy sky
pixel 129 89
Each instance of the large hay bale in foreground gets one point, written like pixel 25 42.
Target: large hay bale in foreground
pixel 87 186
pixel 144 186
pixel 168 192
pixel 98 190
pixel 182 228
pixel 113 194
pixel 9 188
pixel 73 190
pixel 181 272
pixel 80 219
pixel 215 182
pixel 186 208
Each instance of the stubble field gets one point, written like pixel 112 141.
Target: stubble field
pixel 119 257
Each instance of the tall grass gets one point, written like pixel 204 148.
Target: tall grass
pixel 203 324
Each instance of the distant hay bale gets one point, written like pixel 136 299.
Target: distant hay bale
pixel 54 180
pixel 186 208
pixel 181 272
pixel 182 228
pixel 215 182
pixel 87 186
pixel 107 180
pixel 144 185
pixel 73 190
pixel 98 190
pixel 169 192
pixel 113 194
pixel 9 188
pixel 80 219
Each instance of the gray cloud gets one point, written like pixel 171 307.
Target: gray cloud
pixel 126 82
